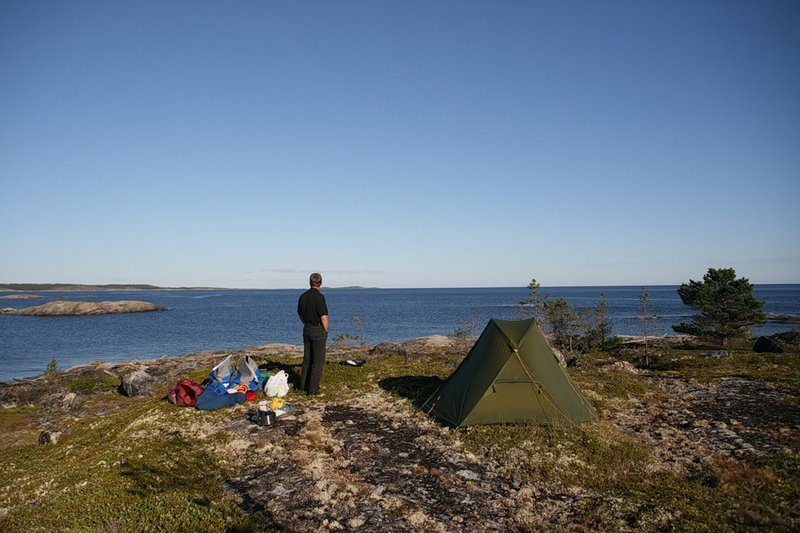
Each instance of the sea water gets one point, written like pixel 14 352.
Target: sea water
pixel 232 319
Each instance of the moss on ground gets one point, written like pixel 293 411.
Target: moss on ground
pixel 145 465
pixel 130 468
pixel 94 382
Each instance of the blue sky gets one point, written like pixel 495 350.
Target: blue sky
pixel 399 144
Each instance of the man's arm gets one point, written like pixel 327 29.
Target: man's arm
pixel 324 320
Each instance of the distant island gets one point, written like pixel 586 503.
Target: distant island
pixel 81 287
pixel 350 287
pixel 42 287
pixel 68 308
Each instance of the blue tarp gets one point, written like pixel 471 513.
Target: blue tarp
pixel 210 400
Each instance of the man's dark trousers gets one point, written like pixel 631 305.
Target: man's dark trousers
pixel 314 339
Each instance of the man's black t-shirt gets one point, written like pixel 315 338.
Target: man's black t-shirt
pixel 311 306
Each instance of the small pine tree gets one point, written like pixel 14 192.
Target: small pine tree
pixel 555 316
pixel 533 305
pixel 358 323
pixel 727 307
pixel 646 316
pixel 601 329
pixel 563 321
pixel 52 368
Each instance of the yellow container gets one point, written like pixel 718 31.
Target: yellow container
pixel 276 403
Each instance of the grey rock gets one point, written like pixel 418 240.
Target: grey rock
pixel 767 345
pixel 138 383
pixel 68 400
pixel 387 348
pixel 49 437
pixel 560 356
pixel 716 354
pixel 468 474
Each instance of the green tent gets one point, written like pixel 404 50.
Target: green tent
pixel 509 375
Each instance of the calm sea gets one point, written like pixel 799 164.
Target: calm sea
pixel 232 319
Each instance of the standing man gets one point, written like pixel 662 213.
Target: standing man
pixel 313 312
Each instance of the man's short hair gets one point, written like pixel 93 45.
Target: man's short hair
pixel 315 280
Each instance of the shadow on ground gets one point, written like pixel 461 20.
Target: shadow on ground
pixel 292 370
pixel 415 388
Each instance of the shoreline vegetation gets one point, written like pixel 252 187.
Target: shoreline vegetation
pixel 689 438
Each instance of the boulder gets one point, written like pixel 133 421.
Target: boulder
pixel 138 383
pixel 560 356
pixel 49 437
pixel 68 400
pixel 716 354
pixel 432 343
pixel 767 345
pixel 427 346
pixel 387 348
pixel 621 366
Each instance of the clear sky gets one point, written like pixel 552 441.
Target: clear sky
pixel 399 144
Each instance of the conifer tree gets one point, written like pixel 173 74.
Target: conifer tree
pixel 646 316
pixel 727 307
pixel 598 334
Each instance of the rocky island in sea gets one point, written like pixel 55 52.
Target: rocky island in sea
pixel 71 308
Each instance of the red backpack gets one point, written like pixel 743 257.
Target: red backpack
pixel 185 393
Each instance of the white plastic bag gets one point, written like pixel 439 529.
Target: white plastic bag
pixel 277 385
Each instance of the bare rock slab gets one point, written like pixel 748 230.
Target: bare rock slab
pixel 70 308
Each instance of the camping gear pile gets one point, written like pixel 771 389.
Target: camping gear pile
pixel 511 374
pixel 276 387
pixel 228 385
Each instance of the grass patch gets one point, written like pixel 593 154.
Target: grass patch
pixel 17 418
pixel 93 382
pixel 596 456
pixel 612 384
pixel 130 468
pixel 343 382
pixel 691 364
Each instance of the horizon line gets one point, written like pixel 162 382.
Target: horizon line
pixel 345 287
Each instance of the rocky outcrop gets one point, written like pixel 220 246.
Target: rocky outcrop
pixel 70 308
pixel 138 383
pixel 783 319
pixel 788 337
